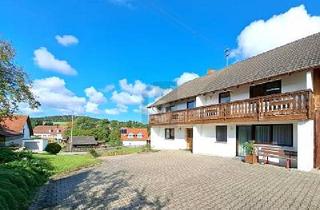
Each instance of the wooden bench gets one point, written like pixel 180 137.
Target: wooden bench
pixel 267 151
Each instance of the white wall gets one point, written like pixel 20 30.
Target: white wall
pixel 294 82
pixel 305 135
pixel 26 131
pixel 158 140
pixel 204 141
pixel 134 143
pixel 14 140
pixel 36 145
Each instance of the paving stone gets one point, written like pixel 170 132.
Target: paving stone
pixel 180 180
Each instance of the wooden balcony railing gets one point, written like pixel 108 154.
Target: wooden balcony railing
pixel 286 106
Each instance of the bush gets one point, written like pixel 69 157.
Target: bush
pixel 53 148
pixel 93 153
pixel 20 175
pixel 7 155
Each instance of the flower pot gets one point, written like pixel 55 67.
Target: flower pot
pixel 252 159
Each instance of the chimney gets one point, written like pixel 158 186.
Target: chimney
pixel 211 71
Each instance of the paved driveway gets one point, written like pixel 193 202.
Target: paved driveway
pixel 180 180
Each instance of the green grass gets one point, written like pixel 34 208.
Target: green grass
pixel 66 163
pixel 126 151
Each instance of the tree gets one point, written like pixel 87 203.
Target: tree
pixel 114 137
pixel 15 88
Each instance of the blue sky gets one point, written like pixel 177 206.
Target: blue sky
pixel 119 55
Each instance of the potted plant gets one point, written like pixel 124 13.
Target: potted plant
pixel 250 157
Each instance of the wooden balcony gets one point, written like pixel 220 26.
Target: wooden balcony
pixel 278 107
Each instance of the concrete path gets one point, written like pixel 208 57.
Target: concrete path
pixel 180 180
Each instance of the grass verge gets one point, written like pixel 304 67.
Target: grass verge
pixel 63 164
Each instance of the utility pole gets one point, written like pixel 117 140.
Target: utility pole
pixel 71 133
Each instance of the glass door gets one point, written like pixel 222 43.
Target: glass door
pixel 244 134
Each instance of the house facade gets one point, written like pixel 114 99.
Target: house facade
pixel 272 98
pixel 50 131
pixel 15 129
pixel 134 136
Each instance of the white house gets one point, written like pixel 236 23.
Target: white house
pixel 50 131
pixel 134 136
pixel 15 129
pixel 272 98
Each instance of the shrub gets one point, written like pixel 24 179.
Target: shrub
pixel 7 155
pixel 53 148
pixel 93 153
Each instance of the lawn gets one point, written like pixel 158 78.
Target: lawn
pixel 66 163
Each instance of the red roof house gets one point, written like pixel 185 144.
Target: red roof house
pixel 14 129
pixel 134 136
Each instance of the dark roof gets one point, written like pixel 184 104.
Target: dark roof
pixel 84 140
pixel 13 126
pixel 296 56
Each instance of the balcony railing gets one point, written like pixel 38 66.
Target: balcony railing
pixel 286 106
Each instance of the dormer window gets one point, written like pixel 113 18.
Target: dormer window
pixel 139 135
pixel 130 135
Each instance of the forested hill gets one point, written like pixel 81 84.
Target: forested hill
pixel 64 119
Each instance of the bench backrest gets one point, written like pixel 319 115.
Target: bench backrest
pixel 274 151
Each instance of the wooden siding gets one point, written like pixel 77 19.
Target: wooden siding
pixel 297 105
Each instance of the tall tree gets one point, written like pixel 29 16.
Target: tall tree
pixel 15 88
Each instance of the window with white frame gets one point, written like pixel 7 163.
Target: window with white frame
pixel 139 135
pixel 130 135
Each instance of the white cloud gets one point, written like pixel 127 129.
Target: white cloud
pixel 108 88
pixel 53 94
pixel 94 95
pixel 124 98
pixel 46 60
pixel 141 110
pixel 115 111
pixel 92 108
pixel 263 35
pixel 185 77
pixel 67 40
pixel 142 89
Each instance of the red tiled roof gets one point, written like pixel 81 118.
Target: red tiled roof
pixel 135 132
pixel 49 129
pixel 13 126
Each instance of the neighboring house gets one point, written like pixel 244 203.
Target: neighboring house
pixel 134 136
pixel 15 129
pixel 272 98
pixel 49 131
pixel 83 142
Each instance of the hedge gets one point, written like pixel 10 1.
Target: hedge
pixel 20 178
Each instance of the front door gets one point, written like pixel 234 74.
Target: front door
pixel 189 138
pixel 244 134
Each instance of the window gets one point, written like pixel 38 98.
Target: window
pixel 139 135
pixel 191 104
pixel 221 133
pixel 169 108
pixel 130 135
pixel 169 133
pixel 123 131
pixel 224 97
pixel 281 134
pixel 263 134
pixel 265 89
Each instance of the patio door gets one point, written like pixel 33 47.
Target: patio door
pixel 189 138
pixel 244 134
